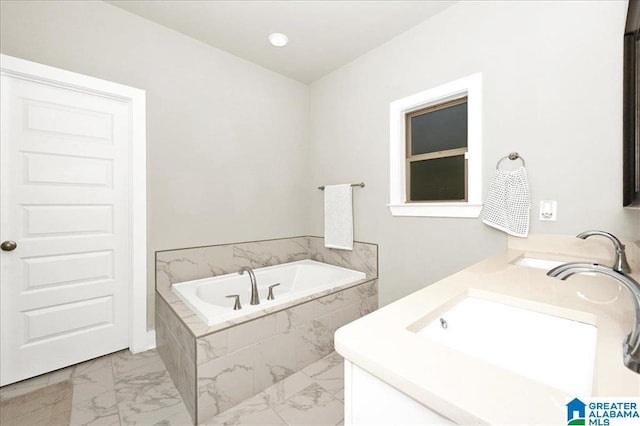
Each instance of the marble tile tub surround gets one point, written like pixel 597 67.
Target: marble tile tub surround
pixel 177 349
pixel 174 266
pixel 234 361
pixel 219 370
pixel 179 265
pixel 241 361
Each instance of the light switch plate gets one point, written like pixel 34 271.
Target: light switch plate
pixel 548 210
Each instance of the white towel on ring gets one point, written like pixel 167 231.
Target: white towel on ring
pixel 338 217
pixel 508 202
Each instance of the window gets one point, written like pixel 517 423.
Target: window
pixel 436 147
pixel 436 151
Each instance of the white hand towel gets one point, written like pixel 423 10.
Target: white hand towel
pixel 508 202
pixel 338 217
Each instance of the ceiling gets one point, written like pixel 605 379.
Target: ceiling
pixel 323 35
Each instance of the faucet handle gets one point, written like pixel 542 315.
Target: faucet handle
pixel 236 304
pixel 270 295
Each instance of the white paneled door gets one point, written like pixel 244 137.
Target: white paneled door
pixel 65 212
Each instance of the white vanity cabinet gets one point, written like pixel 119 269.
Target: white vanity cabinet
pixel 370 401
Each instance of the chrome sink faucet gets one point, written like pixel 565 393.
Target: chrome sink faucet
pixel 255 299
pixel 620 263
pixel 631 346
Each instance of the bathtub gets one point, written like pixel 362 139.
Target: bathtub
pixel 298 280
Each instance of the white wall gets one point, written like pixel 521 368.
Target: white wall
pixel 552 91
pixel 235 151
pixel 227 140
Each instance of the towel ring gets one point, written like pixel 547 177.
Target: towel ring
pixel 511 156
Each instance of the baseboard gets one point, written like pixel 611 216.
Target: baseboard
pixel 148 344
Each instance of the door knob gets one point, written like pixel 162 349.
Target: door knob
pixel 8 245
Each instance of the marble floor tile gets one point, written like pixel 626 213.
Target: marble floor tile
pixel 93 364
pixel 127 389
pixel 179 418
pixel 85 417
pixel 332 379
pixel 94 398
pixel 48 406
pixel 131 366
pixel 60 375
pixel 328 373
pixel 324 364
pixel 147 398
pixel 253 411
pixel 285 389
pixel 24 386
pixel 92 383
pixel 172 415
pixel 311 406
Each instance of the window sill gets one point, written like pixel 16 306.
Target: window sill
pixel 436 209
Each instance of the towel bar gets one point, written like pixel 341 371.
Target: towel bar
pixel 511 156
pixel 361 185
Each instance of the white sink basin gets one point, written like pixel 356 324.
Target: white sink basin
pixel 532 262
pixel 555 351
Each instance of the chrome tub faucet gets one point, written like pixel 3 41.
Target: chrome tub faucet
pixel 631 346
pixel 620 263
pixel 255 299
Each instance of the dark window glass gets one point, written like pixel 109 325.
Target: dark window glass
pixel 438 179
pixel 439 130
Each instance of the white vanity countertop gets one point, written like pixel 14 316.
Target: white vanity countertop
pixel 470 391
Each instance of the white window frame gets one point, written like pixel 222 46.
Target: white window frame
pixel 471 87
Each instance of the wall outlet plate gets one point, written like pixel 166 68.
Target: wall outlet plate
pixel 548 210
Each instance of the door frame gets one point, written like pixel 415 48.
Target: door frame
pixel 139 338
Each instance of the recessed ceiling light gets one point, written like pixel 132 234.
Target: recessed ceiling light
pixel 278 39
